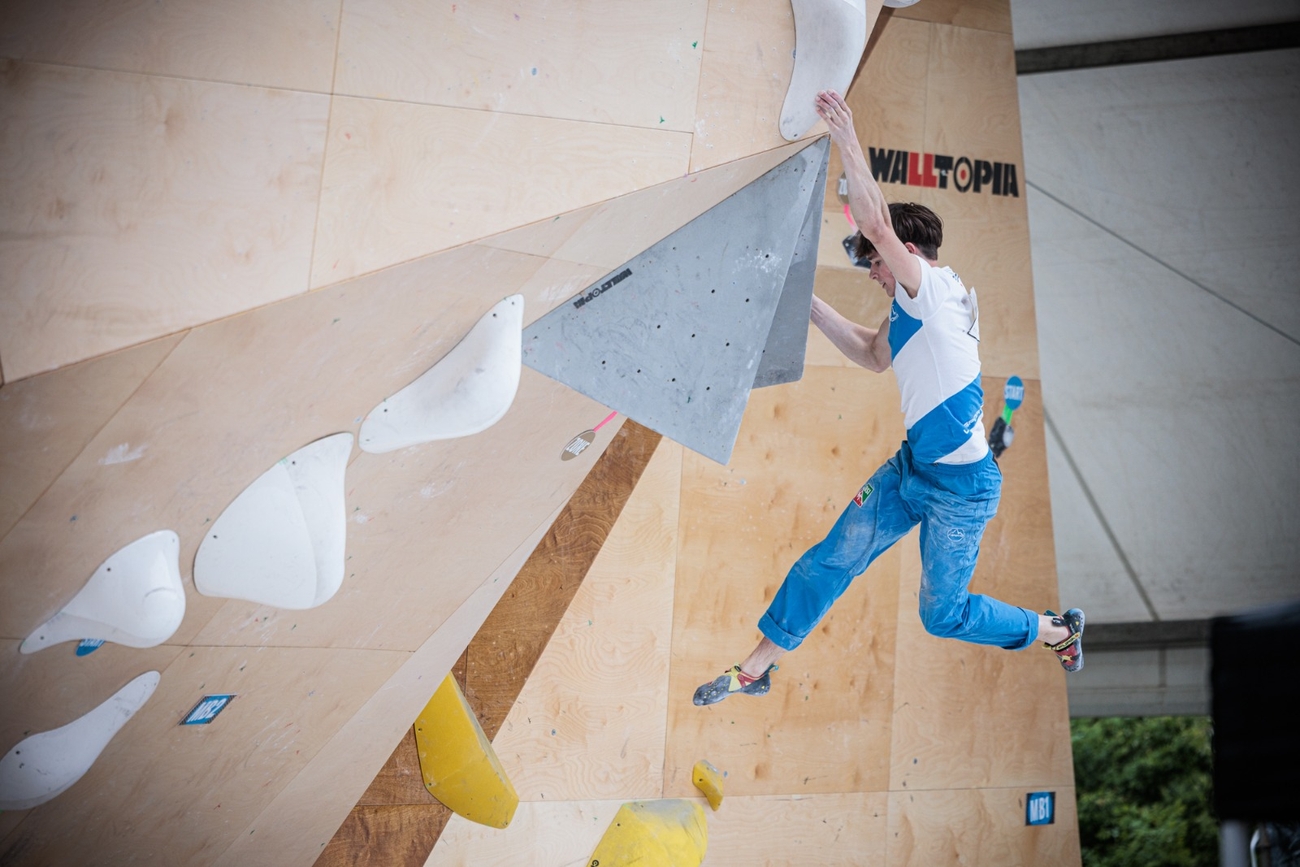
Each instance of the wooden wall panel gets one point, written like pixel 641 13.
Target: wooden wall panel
pixel 589 723
pixel 966 61
pixel 157 777
pixel 803 452
pixel 388 836
pixel 629 65
pixel 981 826
pixel 541 833
pixel 642 218
pixel 298 824
pixel 46 690
pixel 425 525
pixel 237 41
pixel 835 829
pixel 970 716
pixel 992 15
pixel 504 652
pixel 835 227
pixel 748 61
pixel 46 421
pixel 743 80
pixel 139 206
pixel 399 177
pixel 232 399
pixel 501 656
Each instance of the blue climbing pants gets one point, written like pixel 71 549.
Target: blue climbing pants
pixel 952 503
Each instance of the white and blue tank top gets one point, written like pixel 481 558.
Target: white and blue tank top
pixel 934 344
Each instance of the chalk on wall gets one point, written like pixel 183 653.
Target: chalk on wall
pixel 829 38
pixel 47 764
pixel 467 391
pixel 281 542
pixel 134 598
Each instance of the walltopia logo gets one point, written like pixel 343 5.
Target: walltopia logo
pixel 937 170
pixel 603 287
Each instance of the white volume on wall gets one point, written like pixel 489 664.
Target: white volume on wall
pixel 829 38
pixel 134 598
pixel 44 765
pixel 467 391
pixel 281 542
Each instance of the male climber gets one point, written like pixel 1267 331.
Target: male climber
pixel 943 476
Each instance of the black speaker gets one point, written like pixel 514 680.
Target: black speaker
pixel 1255 700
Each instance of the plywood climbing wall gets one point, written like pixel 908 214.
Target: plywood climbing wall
pixel 217 250
pixel 878 743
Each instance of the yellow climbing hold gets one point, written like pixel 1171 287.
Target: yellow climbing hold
pixel 457 761
pixel 708 780
pixel 671 833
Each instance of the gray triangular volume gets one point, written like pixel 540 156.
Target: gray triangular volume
pixel 787 342
pixel 674 338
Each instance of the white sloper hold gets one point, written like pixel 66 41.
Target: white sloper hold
pixel 467 391
pixel 45 765
pixel 281 542
pixel 829 38
pixel 134 598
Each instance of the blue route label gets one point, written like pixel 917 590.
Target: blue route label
pixel 89 645
pixel 1040 808
pixel 1014 393
pixel 206 710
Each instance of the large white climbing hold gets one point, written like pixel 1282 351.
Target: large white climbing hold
pixel 829 38
pixel 467 391
pixel 281 542
pixel 134 598
pixel 44 765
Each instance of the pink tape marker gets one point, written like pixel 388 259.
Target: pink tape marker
pixel 578 444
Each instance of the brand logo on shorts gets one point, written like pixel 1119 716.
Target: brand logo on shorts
pixel 863 494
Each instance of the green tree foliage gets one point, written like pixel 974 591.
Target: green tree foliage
pixel 1144 792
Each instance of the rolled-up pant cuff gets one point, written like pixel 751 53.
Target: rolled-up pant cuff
pixel 777 635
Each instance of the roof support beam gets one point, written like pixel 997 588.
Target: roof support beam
pixel 1180 46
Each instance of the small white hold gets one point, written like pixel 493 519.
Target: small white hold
pixel 470 389
pixel 135 598
pixel 47 764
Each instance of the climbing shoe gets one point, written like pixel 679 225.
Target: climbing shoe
pixel 1070 651
pixel 734 680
